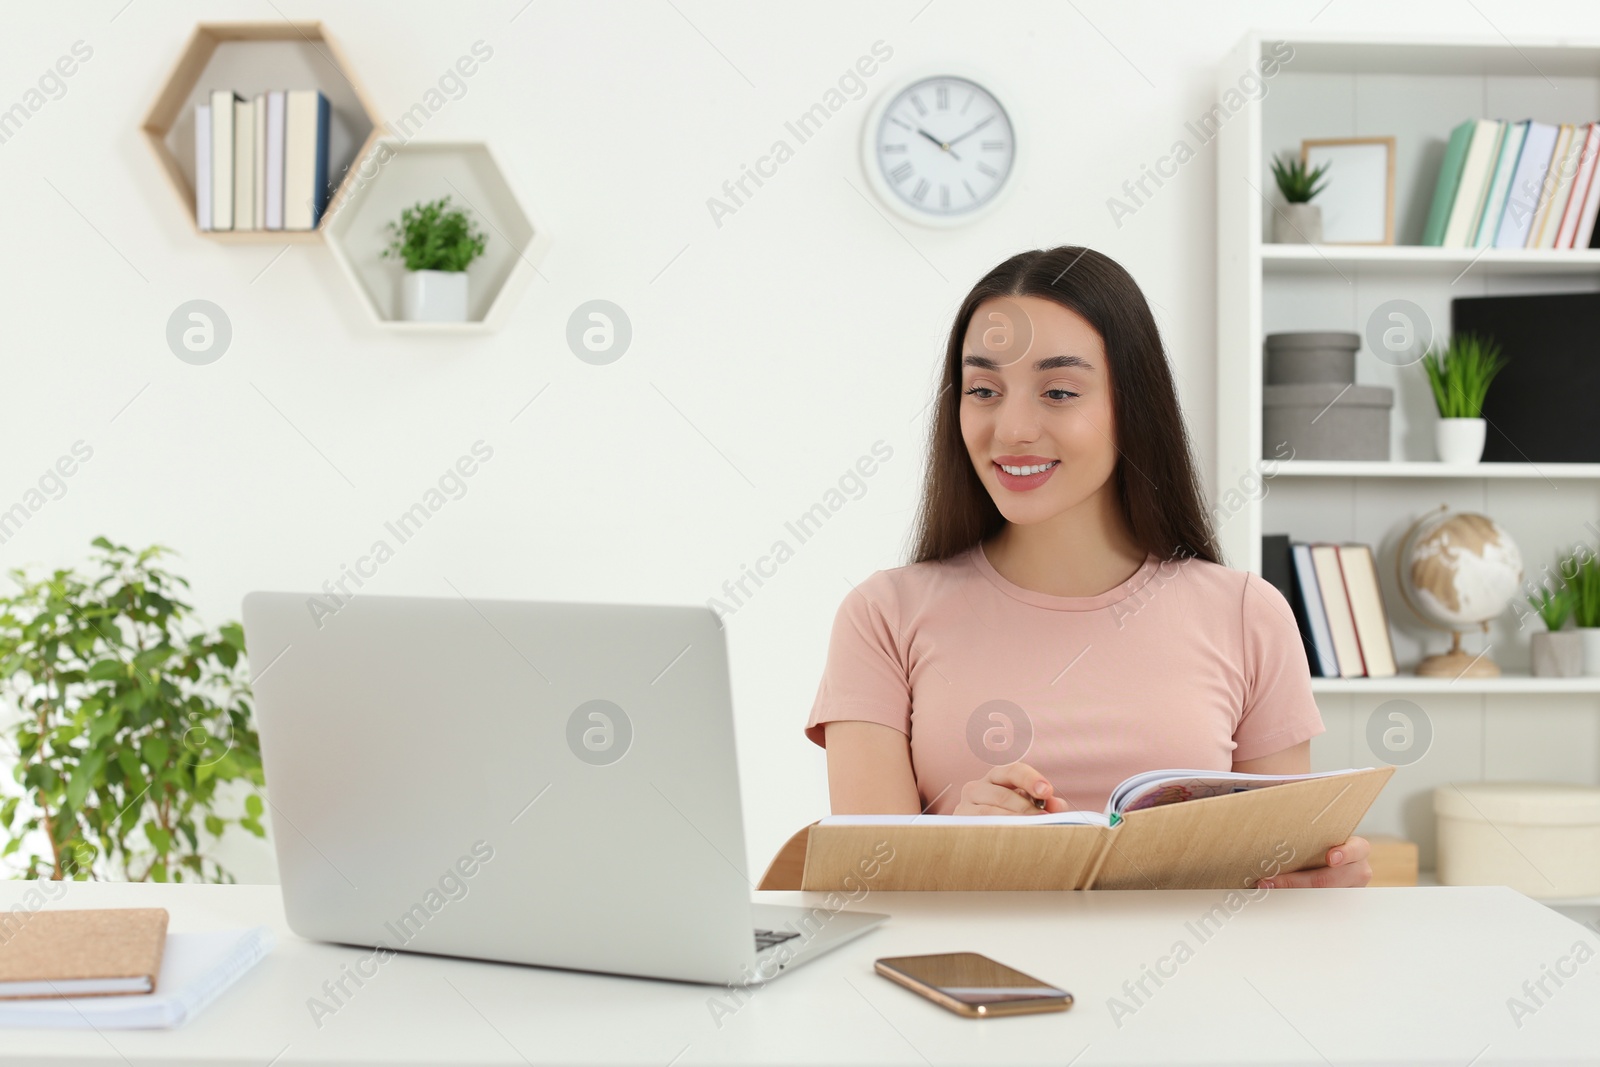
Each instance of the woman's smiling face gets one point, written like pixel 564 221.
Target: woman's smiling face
pixel 1036 407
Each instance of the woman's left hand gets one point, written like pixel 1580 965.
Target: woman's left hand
pixel 1347 867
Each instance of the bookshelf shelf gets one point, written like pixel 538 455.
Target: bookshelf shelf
pixel 1415 89
pixel 254 57
pixel 1424 259
pixel 1507 684
pixel 1327 468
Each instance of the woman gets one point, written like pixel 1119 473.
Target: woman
pixel 1065 604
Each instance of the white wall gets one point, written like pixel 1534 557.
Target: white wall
pixel 795 335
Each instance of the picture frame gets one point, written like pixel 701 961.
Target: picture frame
pixel 1358 199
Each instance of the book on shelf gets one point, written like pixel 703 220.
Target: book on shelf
pixel 1557 185
pixel 305 159
pixel 244 164
pixel 1362 590
pixel 1482 153
pixel 1444 190
pixel 1169 829
pixel 1578 197
pixel 202 165
pixel 1341 623
pixel 264 160
pixel 272 175
pixel 1522 199
pixel 1338 605
pixel 258 157
pixel 1494 204
pixel 222 116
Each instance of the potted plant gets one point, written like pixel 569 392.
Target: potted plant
pixel 436 242
pixel 1557 653
pixel 130 726
pixel 1459 375
pixel 1299 221
pixel 1585 586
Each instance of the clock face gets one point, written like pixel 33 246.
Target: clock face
pixel 944 148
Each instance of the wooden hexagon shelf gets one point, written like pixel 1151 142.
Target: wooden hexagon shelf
pixel 396 175
pixel 250 58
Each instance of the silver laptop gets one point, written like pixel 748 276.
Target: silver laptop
pixel 540 783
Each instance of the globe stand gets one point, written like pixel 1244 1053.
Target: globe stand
pixel 1457 664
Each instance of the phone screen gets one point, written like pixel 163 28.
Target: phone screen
pixel 975 980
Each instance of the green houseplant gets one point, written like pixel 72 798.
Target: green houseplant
pixel 125 720
pixel 1299 221
pixel 1459 375
pixel 436 243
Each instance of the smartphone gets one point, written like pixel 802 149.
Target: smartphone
pixel 973 985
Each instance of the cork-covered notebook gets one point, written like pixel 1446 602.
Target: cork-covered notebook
pixel 1161 830
pixel 81 953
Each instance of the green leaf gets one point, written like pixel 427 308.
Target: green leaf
pixel 83 777
pixel 253 805
pixel 155 750
pixel 159 839
pixel 215 826
pixel 109 670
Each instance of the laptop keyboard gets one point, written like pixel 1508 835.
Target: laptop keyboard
pixel 766 939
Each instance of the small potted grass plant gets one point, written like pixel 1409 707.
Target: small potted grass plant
pixel 1585 586
pixel 1459 375
pixel 1557 652
pixel 436 242
pixel 1299 221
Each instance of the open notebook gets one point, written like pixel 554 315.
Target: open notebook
pixel 1147 789
pixel 1166 829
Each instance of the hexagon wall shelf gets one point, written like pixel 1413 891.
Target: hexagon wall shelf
pixel 397 175
pixel 250 58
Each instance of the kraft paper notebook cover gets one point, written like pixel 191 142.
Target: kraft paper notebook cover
pixel 82 953
pixel 1216 842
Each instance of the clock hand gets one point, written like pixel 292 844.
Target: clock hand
pixel 942 146
pixel 974 130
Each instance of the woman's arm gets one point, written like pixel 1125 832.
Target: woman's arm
pixel 870 773
pixel 1296 760
pixel 1345 865
pixel 869 770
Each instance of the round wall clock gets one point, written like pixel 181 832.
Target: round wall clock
pixel 940 149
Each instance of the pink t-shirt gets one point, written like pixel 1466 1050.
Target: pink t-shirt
pixel 1185 664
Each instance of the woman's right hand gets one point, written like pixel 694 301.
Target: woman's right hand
pixel 1009 790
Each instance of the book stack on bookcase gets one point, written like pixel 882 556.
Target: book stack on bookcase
pixel 261 163
pixel 1520 184
pixel 1337 603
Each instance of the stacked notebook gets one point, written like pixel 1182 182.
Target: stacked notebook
pixel 1337 603
pixel 262 163
pixel 115 968
pixel 1522 184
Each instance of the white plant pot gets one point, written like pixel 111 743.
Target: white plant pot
pixel 1557 654
pixel 433 296
pixel 1591 649
pixel 1297 224
pixel 1459 440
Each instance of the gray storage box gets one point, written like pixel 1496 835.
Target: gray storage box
pixel 1326 421
pixel 1312 356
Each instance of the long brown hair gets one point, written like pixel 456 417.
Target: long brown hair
pixel 1155 477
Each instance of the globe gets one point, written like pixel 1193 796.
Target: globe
pixel 1458 570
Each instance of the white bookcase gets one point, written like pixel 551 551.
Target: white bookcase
pixel 1512 727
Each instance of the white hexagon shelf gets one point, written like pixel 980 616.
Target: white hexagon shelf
pixel 399 174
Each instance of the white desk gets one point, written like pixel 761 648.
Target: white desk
pixel 1302 976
